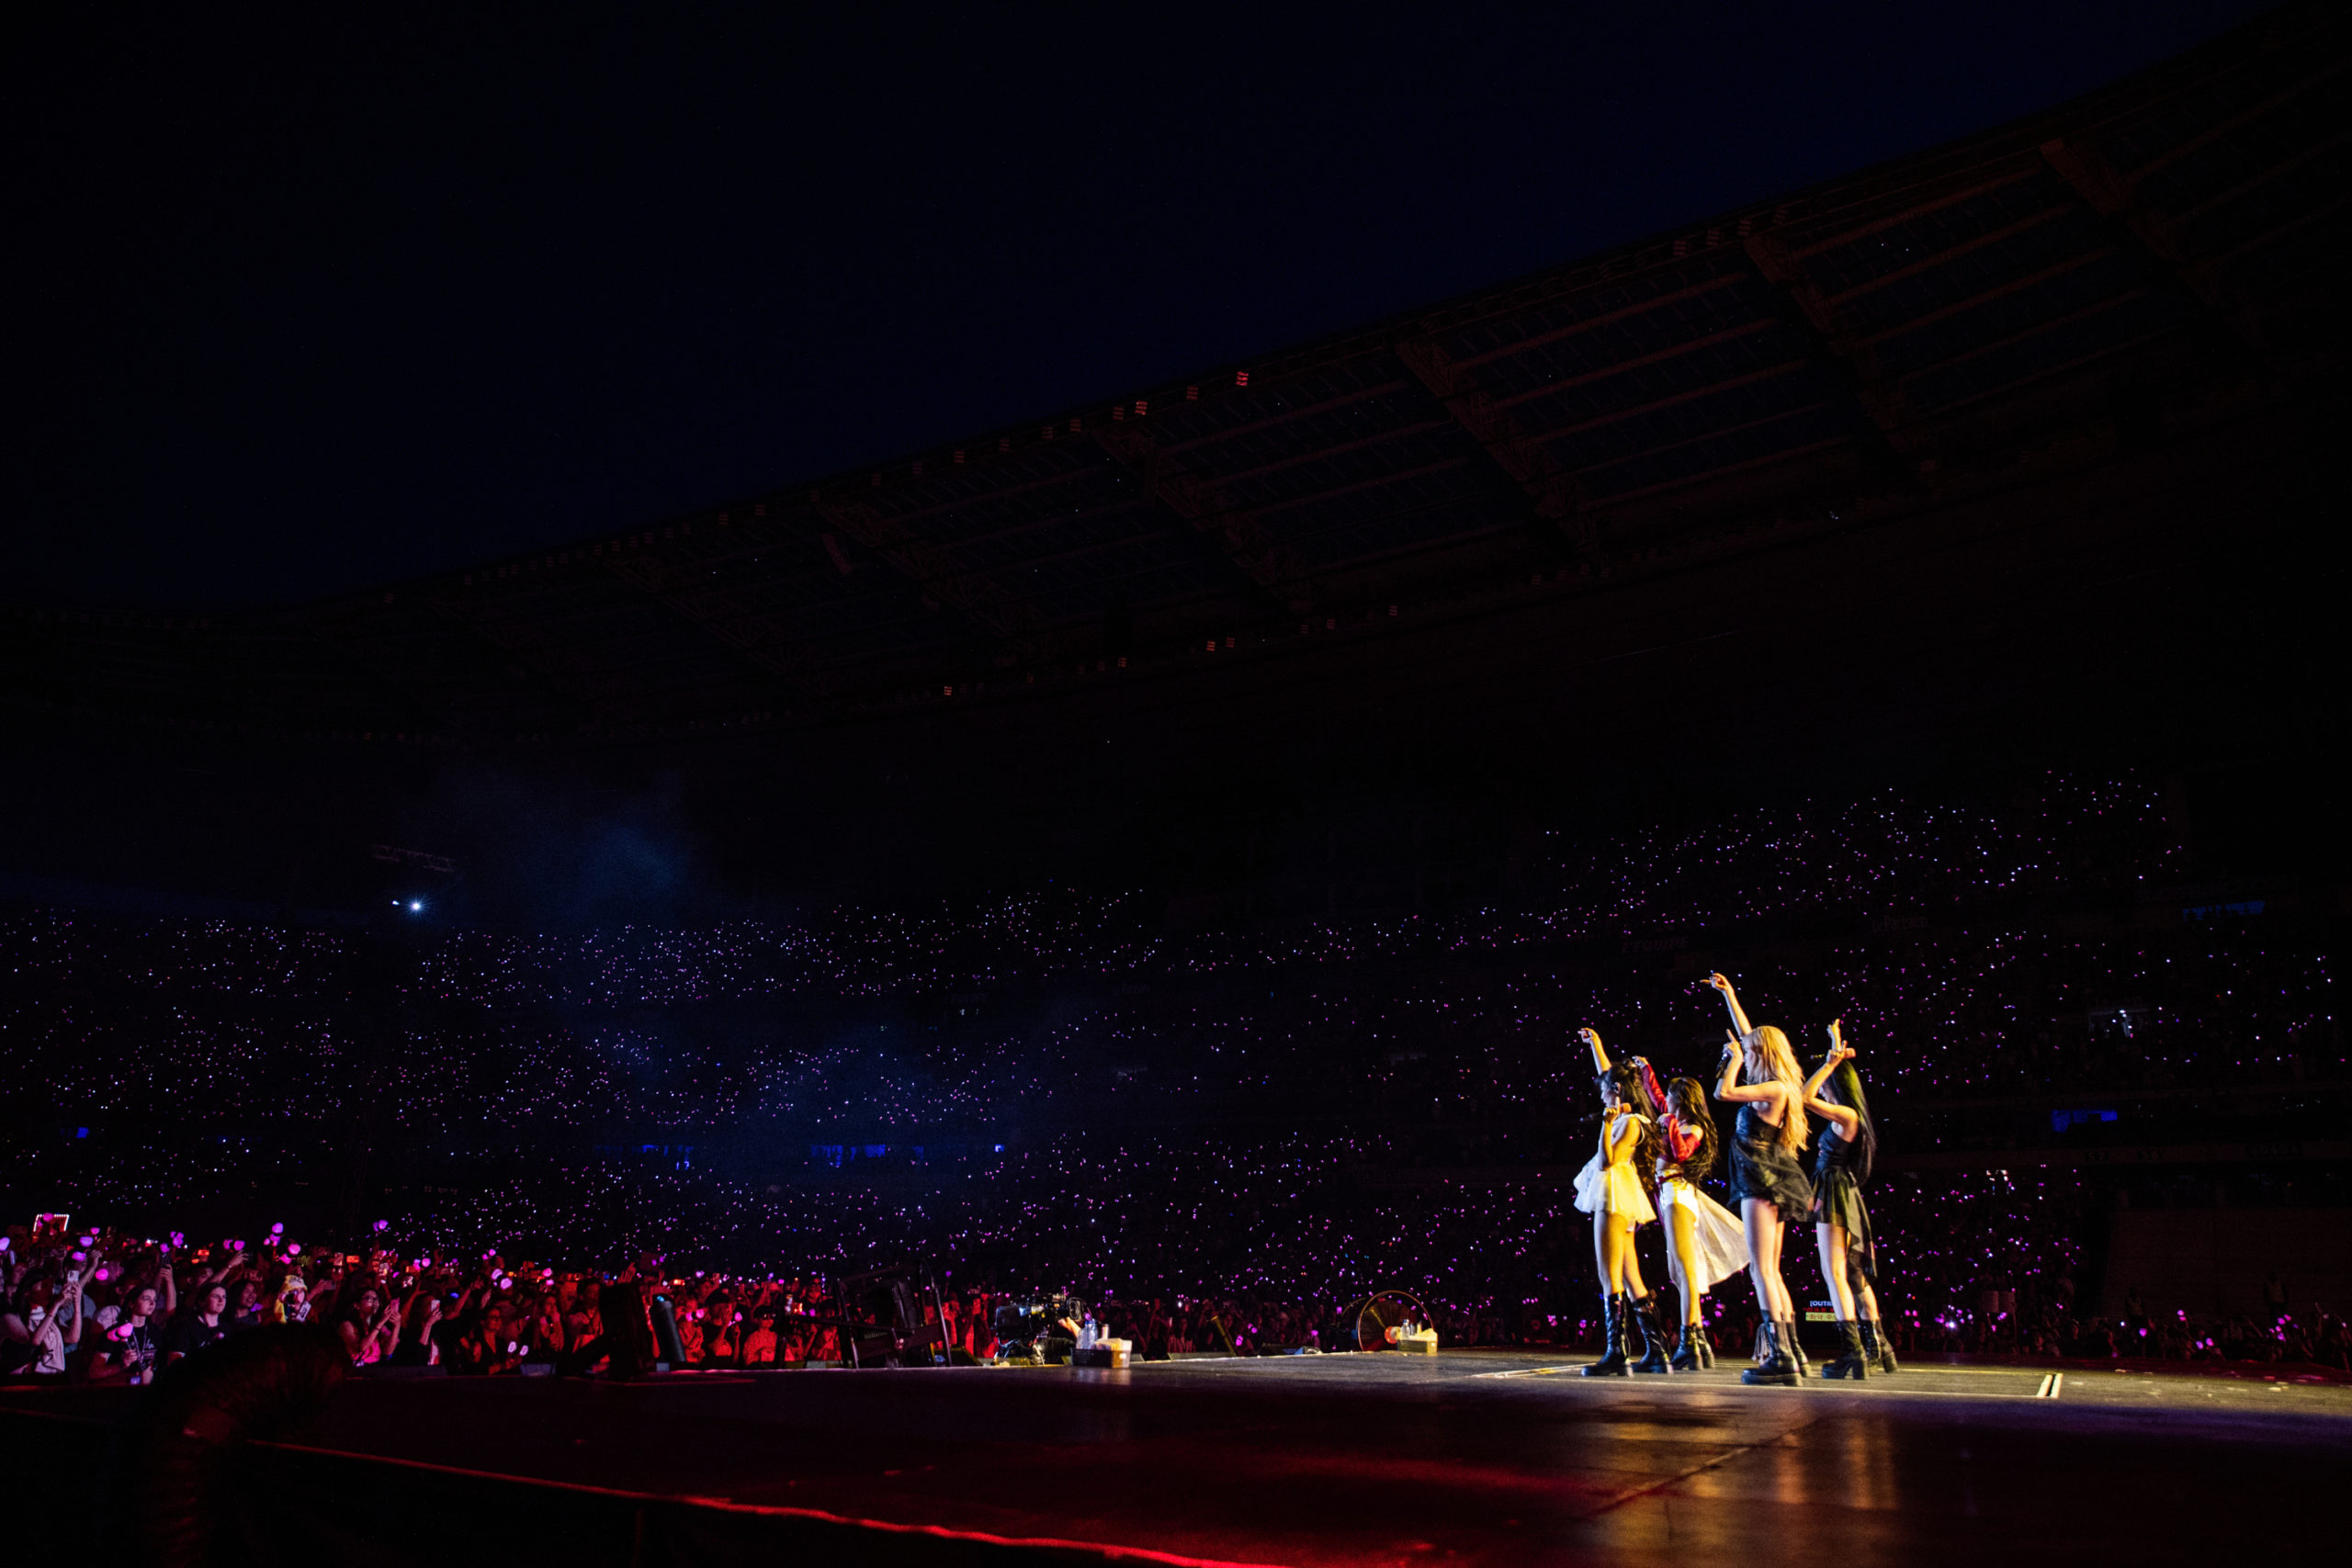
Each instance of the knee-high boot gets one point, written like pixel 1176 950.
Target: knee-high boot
pixel 1645 1315
pixel 1615 1362
pixel 1849 1361
pixel 1875 1349
pixel 1772 1364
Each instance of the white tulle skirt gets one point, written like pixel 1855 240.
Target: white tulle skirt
pixel 1615 1189
pixel 1719 1243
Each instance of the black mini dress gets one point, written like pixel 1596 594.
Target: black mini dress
pixel 1837 1177
pixel 1761 1168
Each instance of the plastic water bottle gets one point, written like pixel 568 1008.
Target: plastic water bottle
pixel 1085 1334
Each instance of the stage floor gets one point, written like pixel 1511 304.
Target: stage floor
pixel 1470 1457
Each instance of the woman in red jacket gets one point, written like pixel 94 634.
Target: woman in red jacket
pixel 1704 1241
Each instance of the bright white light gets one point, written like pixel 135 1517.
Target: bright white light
pixel 415 906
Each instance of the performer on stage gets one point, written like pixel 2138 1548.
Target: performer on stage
pixel 1704 1243
pixel 1766 1177
pixel 1611 1190
pixel 1841 1225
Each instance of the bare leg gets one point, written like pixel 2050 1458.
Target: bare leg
pixel 1613 1240
pixel 1612 1246
pixel 1831 1238
pixel 1775 1241
pixel 1682 1257
pixel 1762 1218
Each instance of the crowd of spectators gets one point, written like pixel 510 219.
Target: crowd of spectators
pixel 100 1307
pixel 1058 1088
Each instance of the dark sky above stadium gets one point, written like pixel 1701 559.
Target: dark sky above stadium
pixel 312 300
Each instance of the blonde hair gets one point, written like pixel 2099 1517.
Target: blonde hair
pixel 1769 1056
pixel 287 1287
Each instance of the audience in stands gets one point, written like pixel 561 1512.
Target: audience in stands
pixel 1111 1138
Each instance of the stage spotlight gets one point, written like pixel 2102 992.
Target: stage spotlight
pixel 416 905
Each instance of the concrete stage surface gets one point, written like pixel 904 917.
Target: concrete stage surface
pixel 1479 1458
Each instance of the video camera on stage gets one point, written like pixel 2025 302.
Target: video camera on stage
pixel 1043 1328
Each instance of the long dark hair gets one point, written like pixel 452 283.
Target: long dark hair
pixel 1629 1082
pixel 1687 1100
pixel 1845 1087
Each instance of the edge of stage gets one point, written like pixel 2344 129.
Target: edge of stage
pixel 1478 1456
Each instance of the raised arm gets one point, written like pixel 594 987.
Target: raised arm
pixel 1728 1086
pixel 1845 1116
pixel 1727 1070
pixel 1730 1000
pixel 1838 1053
pixel 1600 1057
pixel 72 1335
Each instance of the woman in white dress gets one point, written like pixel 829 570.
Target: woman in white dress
pixel 1704 1241
pixel 1611 1191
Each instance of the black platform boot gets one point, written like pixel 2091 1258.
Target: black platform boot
pixel 1615 1361
pixel 1849 1361
pixel 1688 1357
pixel 1793 1347
pixel 1875 1349
pixel 1706 1347
pixel 1772 1365
pixel 1645 1315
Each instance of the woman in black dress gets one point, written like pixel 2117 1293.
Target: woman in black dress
pixel 1841 1225
pixel 1766 1178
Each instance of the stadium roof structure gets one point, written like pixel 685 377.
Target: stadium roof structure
pixel 1862 348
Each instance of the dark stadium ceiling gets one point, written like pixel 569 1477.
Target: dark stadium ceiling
pixel 1873 342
